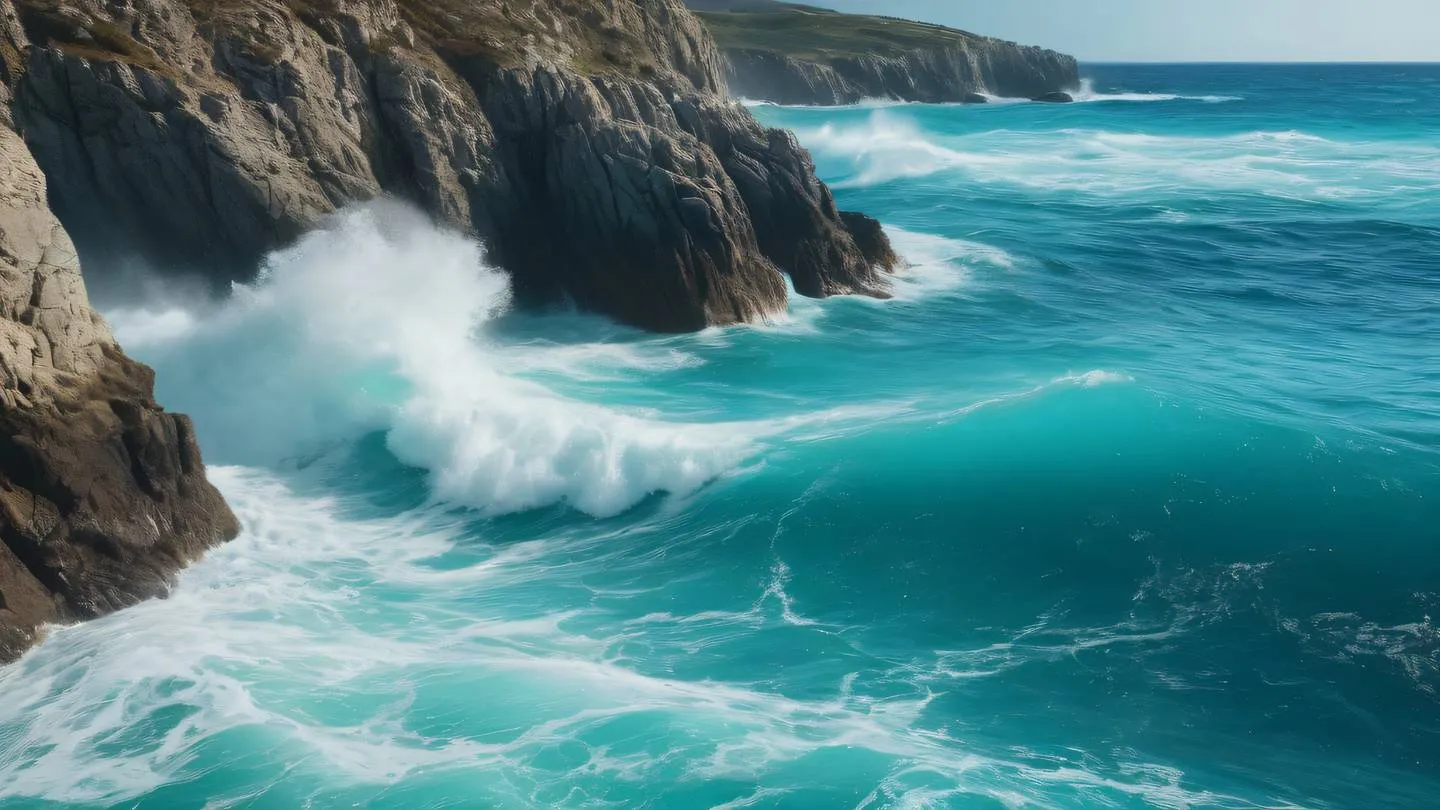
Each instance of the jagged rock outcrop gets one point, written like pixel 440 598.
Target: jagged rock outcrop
pixel 103 495
pixel 793 54
pixel 584 141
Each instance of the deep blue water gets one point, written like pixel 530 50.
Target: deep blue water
pixel 1130 498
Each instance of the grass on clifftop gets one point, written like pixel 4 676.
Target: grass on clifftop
pixel 814 34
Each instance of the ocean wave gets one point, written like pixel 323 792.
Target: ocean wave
pixel 376 321
pixel 1087 93
pixel 890 146
pixel 935 264
pixel 886 147
pixel 380 321
pixel 320 638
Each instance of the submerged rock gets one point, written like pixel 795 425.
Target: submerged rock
pixel 975 98
pixel 1054 98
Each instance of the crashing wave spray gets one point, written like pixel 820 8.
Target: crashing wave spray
pixel 375 321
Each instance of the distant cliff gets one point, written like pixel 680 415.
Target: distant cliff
pixel 793 54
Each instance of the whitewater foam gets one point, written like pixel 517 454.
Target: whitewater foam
pixel 343 609
pixel 1087 93
pixel 377 321
pixel 889 146
pixel 935 264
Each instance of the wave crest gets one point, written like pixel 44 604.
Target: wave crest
pixel 376 321
pixel 887 146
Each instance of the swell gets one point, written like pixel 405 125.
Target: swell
pixel 890 145
pixel 349 638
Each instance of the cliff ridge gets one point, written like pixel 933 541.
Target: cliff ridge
pixel 797 54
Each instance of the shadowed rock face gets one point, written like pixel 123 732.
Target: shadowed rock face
pixel 584 141
pixel 103 495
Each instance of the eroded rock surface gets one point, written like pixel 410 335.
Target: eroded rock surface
pixel 585 142
pixel 103 495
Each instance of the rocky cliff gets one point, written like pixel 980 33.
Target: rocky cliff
pixel 585 142
pixel 103 494
pixel 794 54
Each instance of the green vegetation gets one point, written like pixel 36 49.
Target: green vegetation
pixel 814 34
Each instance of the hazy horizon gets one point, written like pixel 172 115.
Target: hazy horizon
pixel 1140 31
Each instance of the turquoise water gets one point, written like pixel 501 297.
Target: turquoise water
pixel 1130 498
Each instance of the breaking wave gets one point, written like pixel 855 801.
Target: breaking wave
pixel 378 321
pixel 891 146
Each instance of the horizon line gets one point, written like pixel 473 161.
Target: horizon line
pixel 1258 61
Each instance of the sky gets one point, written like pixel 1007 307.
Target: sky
pixel 1191 30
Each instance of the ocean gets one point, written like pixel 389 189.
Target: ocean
pixel 1129 498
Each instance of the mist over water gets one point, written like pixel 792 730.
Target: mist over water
pixel 1126 499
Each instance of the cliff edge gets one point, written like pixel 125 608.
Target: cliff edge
pixel 585 142
pixel 103 495
pixel 795 54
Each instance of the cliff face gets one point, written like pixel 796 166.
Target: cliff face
pixel 793 54
pixel 584 141
pixel 947 74
pixel 103 495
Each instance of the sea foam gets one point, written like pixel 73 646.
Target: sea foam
pixel 378 320
pixel 889 146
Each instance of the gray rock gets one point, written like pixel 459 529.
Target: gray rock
pixel 955 73
pixel 103 495
pixel 205 140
